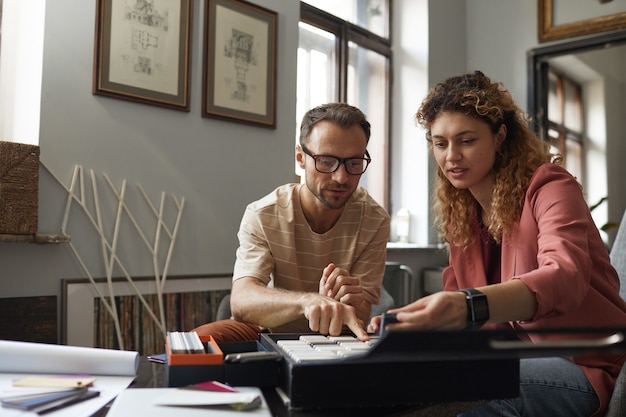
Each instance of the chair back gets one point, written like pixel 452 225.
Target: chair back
pixel 617 405
pixel 618 255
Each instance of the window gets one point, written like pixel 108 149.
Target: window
pixel 346 56
pixel 21 69
pixel 565 121
pixel 0 24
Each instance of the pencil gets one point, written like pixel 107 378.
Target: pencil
pixel 85 396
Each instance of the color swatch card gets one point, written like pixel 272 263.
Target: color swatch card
pixel 168 402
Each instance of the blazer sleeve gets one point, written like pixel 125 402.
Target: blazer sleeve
pixel 552 243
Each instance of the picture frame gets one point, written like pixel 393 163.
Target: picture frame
pixel 144 55
pixel 603 17
pixel 79 296
pixel 239 66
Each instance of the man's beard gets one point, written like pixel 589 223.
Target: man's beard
pixel 333 203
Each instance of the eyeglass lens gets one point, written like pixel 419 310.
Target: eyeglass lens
pixel 329 164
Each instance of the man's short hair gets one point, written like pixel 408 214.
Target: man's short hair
pixel 342 114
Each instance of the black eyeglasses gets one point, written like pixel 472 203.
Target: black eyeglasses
pixel 327 164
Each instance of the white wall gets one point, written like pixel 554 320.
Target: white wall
pixel 499 34
pixel 461 36
pixel 615 94
pixel 609 126
pixel 410 60
pixel 595 148
pixel 425 51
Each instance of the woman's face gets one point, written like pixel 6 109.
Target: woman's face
pixel 465 150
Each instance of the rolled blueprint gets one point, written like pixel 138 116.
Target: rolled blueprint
pixel 41 358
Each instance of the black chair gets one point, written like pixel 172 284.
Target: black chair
pixel 617 405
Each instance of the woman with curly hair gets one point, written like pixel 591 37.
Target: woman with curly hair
pixel 524 250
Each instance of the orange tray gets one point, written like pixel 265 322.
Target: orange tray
pixel 214 358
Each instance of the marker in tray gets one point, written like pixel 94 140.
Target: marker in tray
pixel 186 342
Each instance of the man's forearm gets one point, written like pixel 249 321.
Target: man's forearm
pixel 267 307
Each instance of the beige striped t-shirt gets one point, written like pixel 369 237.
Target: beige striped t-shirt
pixel 277 245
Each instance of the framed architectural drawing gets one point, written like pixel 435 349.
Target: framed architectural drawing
pixel 239 62
pixel 562 19
pixel 142 51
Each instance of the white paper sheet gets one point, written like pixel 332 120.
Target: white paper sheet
pixel 136 402
pixel 203 397
pixel 114 370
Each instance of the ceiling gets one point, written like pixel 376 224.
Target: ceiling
pixel 592 65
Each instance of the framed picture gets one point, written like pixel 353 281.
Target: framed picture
pixel 239 62
pixel 80 299
pixel 572 18
pixel 142 51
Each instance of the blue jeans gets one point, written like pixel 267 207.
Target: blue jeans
pixel 554 387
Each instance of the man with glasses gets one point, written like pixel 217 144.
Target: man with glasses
pixel 311 256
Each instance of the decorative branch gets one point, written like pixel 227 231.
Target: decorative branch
pixel 76 195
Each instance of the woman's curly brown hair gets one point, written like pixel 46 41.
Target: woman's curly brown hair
pixel 476 96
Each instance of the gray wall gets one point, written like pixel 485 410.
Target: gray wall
pixel 217 166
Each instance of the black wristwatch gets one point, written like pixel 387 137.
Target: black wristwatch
pixel 477 308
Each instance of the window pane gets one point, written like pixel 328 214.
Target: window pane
pixel 317 77
pixel 574 160
pixel 368 75
pixel 557 142
pixel 316 69
pixel 372 15
pixel 366 72
pixel 565 114
pixel 554 104
pixel 573 116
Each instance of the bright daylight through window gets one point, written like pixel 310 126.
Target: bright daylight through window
pixel 344 54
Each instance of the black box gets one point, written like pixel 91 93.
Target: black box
pixel 252 374
pixel 403 368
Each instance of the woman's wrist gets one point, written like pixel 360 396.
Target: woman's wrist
pixel 477 307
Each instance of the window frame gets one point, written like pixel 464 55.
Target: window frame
pixel 565 133
pixel 346 32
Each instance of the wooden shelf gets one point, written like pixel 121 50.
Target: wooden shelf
pixel 41 239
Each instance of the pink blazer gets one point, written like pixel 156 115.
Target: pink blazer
pixel 557 251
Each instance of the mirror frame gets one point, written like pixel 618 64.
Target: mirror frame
pixel 547 31
pixel 537 77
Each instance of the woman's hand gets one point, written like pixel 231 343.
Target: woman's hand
pixel 444 310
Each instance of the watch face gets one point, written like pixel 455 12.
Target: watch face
pixel 477 307
pixel 480 308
